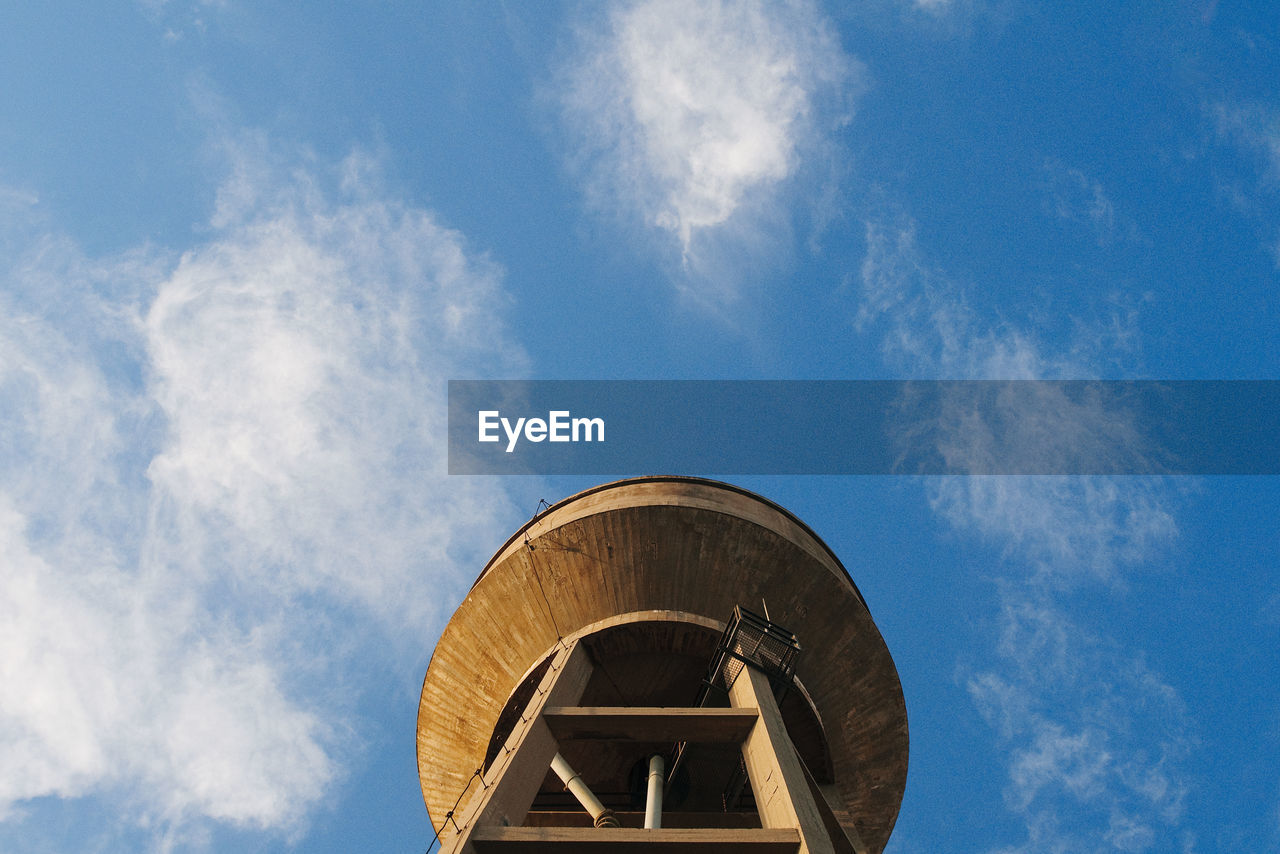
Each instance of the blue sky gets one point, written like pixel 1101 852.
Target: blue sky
pixel 243 246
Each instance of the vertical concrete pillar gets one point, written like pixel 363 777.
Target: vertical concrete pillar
pixel 783 797
pixel 512 781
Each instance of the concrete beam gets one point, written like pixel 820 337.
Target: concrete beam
pixel 777 776
pixel 512 781
pixel 700 726
pixel 558 840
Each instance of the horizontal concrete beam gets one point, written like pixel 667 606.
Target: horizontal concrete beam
pixel 553 840
pixel 699 726
pixel 635 819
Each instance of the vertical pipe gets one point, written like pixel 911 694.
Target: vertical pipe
pixel 603 816
pixel 653 804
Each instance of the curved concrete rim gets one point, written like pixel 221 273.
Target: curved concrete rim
pixel 560 506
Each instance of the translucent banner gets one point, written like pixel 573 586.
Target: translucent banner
pixel 1015 427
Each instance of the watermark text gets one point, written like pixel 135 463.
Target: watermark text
pixel 558 426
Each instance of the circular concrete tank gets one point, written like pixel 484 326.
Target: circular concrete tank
pixel 647 571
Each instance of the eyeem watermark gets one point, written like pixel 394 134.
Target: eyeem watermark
pixel 558 426
pixel 941 427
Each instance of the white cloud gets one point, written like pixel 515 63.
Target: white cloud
pixel 1095 740
pixel 1255 129
pixel 300 363
pixel 98 653
pixel 178 19
pixel 232 746
pixel 927 327
pixel 1063 526
pixel 1059 525
pixel 54 709
pixel 1069 525
pixel 1253 126
pixel 694 114
pixel 1076 197
pixel 222 479
pixel 1076 761
pixel 936 19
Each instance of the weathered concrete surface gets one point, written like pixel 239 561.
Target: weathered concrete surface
pixel 685 550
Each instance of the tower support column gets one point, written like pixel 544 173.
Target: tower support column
pixel 511 782
pixel 783 796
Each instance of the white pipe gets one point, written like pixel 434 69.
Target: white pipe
pixel 653 804
pixel 602 816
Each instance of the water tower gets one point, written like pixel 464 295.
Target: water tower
pixel 663 664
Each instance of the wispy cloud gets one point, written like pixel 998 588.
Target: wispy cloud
pixel 1069 525
pixel 1095 739
pixel 932 5
pixel 936 19
pixel 1064 528
pixel 1254 129
pixel 223 472
pixel 926 327
pixel 1078 198
pixel 694 115
pixel 1255 126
